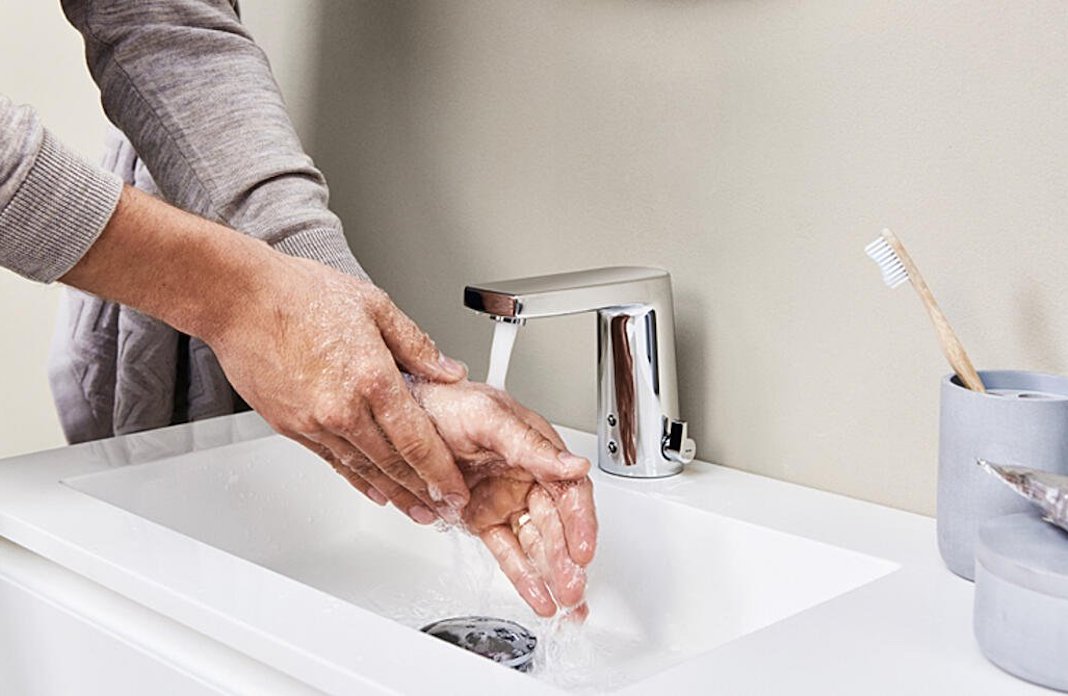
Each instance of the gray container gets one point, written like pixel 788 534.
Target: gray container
pixel 1023 420
pixel 1021 598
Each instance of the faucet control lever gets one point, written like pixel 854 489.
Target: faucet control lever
pixel 676 446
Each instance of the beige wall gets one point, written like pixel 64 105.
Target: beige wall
pixel 43 65
pixel 751 148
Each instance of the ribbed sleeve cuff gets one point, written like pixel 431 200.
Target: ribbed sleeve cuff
pixel 56 214
pixel 327 246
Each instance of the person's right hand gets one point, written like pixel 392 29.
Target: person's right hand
pixel 316 353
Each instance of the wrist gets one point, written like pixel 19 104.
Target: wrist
pixel 196 275
pixel 229 283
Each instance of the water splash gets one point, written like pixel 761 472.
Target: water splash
pixel 504 333
pixel 581 658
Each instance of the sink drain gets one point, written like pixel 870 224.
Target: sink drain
pixel 500 640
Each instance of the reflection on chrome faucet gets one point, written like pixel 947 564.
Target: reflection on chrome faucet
pixel 639 432
pixel 622 368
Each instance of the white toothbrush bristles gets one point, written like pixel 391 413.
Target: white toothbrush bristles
pixel 894 272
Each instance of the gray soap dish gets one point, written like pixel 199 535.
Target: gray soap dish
pixel 1021 597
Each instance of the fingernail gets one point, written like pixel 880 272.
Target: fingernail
pixel 421 514
pixel 577 614
pixel 573 461
pixel 450 515
pixel 452 366
pixel 376 495
pixel 455 501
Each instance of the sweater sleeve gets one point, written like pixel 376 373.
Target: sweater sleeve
pixel 53 204
pixel 192 91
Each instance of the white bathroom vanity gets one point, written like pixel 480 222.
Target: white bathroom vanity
pixel 218 557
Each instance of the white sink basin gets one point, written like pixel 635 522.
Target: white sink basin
pixel 669 582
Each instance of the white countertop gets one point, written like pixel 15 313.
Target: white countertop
pixel 908 632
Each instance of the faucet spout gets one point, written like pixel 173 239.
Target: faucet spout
pixel 640 433
pixel 570 293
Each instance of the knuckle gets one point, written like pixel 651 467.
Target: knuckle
pixel 360 430
pixel 362 467
pixel 484 403
pixel 355 479
pixel 357 464
pixel 534 440
pixel 306 424
pixel 415 449
pixel 376 298
pixel 347 473
pixel 396 469
pixel 377 385
pixel 341 420
pixel 324 412
pixel 426 350
pixel 332 421
pixel 350 458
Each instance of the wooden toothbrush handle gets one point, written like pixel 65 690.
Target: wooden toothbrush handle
pixel 947 339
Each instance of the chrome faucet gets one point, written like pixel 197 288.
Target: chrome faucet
pixel 639 431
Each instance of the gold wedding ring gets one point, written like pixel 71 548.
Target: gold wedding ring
pixel 518 522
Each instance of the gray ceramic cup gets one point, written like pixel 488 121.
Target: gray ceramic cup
pixel 1023 420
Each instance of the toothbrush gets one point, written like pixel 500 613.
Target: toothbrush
pixel 897 267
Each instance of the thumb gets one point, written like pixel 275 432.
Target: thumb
pixel 413 350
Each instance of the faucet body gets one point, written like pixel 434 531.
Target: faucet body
pixel 639 430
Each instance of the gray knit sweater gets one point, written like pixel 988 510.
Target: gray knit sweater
pixel 200 122
pixel 195 96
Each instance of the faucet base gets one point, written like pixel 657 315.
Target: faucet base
pixel 640 472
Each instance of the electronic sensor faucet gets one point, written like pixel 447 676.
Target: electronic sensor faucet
pixel 639 431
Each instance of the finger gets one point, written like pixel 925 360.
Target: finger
pixel 567 580
pixel 535 419
pixel 530 542
pixel 578 514
pixel 360 483
pixel 397 494
pixel 518 569
pixel 368 438
pixel 524 446
pixel 401 498
pixel 408 429
pixel 354 479
pixel 580 524
pixel 412 348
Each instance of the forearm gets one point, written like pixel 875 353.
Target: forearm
pixel 185 82
pixel 185 270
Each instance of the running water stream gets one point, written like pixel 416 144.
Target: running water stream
pixel 586 659
pixel 504 333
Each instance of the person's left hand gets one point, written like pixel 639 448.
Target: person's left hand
pixel 531 501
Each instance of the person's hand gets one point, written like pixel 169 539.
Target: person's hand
pixel 318 358
pixel 531 501
pixel 314 351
